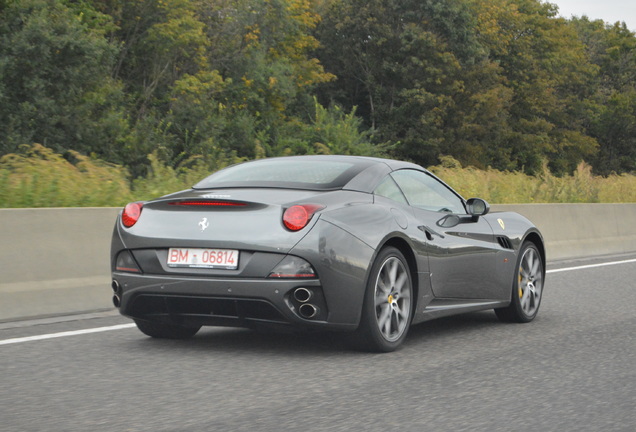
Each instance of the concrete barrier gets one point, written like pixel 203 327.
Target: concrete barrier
pixel 581 230
pixel 56 261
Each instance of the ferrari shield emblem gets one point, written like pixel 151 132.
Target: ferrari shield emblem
pixel 501 224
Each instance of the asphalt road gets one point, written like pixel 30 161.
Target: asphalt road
pixel 572 369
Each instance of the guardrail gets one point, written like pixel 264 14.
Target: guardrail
pixel 56 261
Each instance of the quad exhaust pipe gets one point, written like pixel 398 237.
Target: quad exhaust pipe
pixel 118 291
pixel 302 295
pixel 307 310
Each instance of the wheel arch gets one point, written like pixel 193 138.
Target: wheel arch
pixel 535 238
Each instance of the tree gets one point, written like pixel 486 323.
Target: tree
pixel 214 76
pixel 546 67
pixel 262 48
pixel 55 79
pixel 417 74
pixel 613 49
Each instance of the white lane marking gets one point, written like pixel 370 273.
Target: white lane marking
pixel 126 326
pixel 590 266
pixel 64 334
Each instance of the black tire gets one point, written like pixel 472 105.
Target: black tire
pixel 387 309
pixel 165 331
pixel 527 287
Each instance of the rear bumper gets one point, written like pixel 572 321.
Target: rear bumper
pixel 227 302
pixel 246 297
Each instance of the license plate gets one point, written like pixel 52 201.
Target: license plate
pixel 203 258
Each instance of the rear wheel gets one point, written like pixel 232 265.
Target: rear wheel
pixel 527 287
pixel 387 308
pixel 165 331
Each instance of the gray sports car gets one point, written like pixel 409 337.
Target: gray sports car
pixel 356 244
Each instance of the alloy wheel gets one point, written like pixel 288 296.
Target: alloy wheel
pixel 392 299
pixel 530 281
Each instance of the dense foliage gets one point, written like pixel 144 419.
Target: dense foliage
pixel 198 84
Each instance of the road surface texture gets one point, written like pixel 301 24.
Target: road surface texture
pixel 572 369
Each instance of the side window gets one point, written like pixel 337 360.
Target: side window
pixel 390 190
pixel 426 192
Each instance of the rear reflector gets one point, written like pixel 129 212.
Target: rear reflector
pixel 293 267
pixel 126 263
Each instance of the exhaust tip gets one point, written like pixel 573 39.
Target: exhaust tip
pixel 308 310
pixel 115 286
pixel 302 295
pixel 116 301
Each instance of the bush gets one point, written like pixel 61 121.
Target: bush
pixel 38 177
pixel 503 187
pixel 162 179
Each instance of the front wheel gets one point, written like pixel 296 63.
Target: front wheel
pixel 527 287
pixel 165 331
pixel 388 303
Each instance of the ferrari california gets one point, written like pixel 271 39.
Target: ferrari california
pixel 355 244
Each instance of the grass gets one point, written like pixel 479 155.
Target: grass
pixel 38 177
pixel 498 187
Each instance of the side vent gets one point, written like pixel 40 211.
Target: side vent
pixel 504 242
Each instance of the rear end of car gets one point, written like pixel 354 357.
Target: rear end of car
pixel 241 256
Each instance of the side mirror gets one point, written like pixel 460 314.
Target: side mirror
pixel 477 207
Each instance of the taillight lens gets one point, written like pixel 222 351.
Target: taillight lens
pixel 131 214
pixel 297 217
pixel 292 267
pixel 126 263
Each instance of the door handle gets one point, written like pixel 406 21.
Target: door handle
pixel 429 232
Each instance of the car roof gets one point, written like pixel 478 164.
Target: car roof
pixel 358 173
pixel 392 163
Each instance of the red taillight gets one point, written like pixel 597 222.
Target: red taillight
pixel 131 214
pixel 296 217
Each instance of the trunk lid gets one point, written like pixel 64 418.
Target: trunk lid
pixel 242 219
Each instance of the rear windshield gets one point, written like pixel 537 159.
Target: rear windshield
pixel 295 173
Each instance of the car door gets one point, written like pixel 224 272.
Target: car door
pixel 461 248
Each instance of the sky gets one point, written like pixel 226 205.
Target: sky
pixel 607 10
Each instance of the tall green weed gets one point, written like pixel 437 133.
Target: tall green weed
pixel 503 187
pixel 163 179
pixel 39 177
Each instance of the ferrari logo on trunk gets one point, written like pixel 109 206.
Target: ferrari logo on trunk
pixel 204 224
